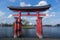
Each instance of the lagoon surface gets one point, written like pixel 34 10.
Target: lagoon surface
pixel 50 32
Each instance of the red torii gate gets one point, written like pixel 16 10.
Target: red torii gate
pixel 17 23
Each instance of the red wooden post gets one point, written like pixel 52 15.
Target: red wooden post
pixel 15 28
pixel 39 26
pixel 19 27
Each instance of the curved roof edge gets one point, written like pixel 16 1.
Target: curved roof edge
pixel 29 8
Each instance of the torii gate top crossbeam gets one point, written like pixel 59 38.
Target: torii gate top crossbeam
pixel 29 9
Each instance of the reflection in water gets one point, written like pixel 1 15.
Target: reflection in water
pixel 29 33
pixel 47 32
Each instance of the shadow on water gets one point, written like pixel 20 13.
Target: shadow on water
pixel 29 33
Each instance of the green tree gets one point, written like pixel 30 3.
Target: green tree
pixel 25 22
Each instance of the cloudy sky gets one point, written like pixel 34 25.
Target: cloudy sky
pixel 52 15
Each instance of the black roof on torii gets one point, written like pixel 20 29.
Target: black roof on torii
pixel 30 9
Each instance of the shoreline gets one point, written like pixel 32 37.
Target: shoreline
pixel 29 39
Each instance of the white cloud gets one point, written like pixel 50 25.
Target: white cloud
pixel 2 17
pixel 29 18
pixel 49 14
pixel 42 3
pixel 24 4
pixel 12 0
pixel 10 16
pixel 33 18
pixel 30 23
pixel 50 9
pixel 1 13
pixel 24 18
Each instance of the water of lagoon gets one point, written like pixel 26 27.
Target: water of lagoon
pixel 51 32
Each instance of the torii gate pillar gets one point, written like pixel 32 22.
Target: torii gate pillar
pixel 39 30
pixel 17 26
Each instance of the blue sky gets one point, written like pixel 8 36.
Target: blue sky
pixel 53 14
